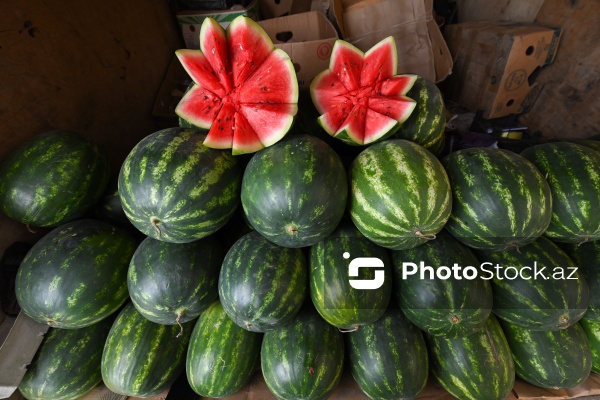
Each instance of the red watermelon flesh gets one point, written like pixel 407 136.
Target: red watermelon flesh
pixel 245 90
pixel 360 97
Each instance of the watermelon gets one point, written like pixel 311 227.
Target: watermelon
pixel 500 199
pixel 172 283
pixel 262 285
pixel 142 358
pixel 67 364
pixel 221 357
pixel 477 366
pixel 245 91
pixel 592 144
pixel 331 290
pixel 573 173
pixel 536 286
pixel 400 195
pixel 175 189
pixel 52 179
pixel 427 123
pixel 76 274
pixel 452 307
pixel 360 97
pixel 388 358
pixel 591 328
pixel 550 359
pixel 303 359
pixel 294 193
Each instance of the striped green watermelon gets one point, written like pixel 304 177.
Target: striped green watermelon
pixel 303 359
pixel 450 307
pixel 54 178
pixel 573 173
pixel 591 328
pixel 553 298
pixel 76 275
pixel 142 358
pixel 221 357
pixel 388 358
pixel 67 364
pixel 262 285
pixel 360 97
pixel 592 144
pixel 550 359
pixel 331 292
pixel 175 189
pixel 427 123
pixel 172 283
pixel 400 195
pixel 294 193
pixel 245 91
pixel 500 199
pixel 586 257
pixel 477 366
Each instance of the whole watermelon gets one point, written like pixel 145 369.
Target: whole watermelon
pixel 175 189
pixel 54 178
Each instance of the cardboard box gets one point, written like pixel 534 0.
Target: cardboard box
pixel 172 88
pixel 307 38
pixel 191 21
pixel 494 64
pixel 280 8
pixel 419 41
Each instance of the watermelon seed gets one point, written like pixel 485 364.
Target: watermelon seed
pixel 155 221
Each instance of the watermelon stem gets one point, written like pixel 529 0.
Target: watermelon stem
pixel 179 314
pixel 155 222
pixel 515 245
pixel 353 329
pixel 585 240
pixel 32 231
pixel 428 236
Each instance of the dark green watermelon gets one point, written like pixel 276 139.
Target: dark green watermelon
pixel 76 274
pixel 142 358
pixel 452 307
pixel 54 178
pixel 477 366
pixel 592 332
pixel 221 357
pixel 175 189
pixel 573 173
pixel 303 359
pixel 550 359
pixel 262 285
pixel 500 199
pixel 172 283
pixel 388 358
pixel 554 297
pixel 67 364
pixel 331 292
pixel 294 193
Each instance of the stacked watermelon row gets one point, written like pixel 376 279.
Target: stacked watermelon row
pixel 306 255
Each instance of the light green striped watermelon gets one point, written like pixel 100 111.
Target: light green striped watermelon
pixel 294 193
pixel 67 364
pixel 474 367
pixel 245 91
pixel 172 283
pixel 546 301
pixel 400 195
pixel 54 178
pixel 76 275
pixel 262 286
pixel 550 359
pixel 500 199
pixel 360 97
pixel 331 292
pixel 592 332
pixel 221 357
pixel 175 189
pixel 303 359
pixel 450 307
pixel 388 358
pixel 142 358
pixel 573 173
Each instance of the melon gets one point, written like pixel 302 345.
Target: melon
pixel 245 91
pixel 360 98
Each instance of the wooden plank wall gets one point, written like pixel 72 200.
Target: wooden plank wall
pixel 90 67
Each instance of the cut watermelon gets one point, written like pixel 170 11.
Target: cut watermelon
pixel 245 91
pixel 360 98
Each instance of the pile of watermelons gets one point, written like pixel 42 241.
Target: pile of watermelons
pixel 309 255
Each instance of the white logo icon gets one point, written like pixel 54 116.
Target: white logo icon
pixel 365 262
